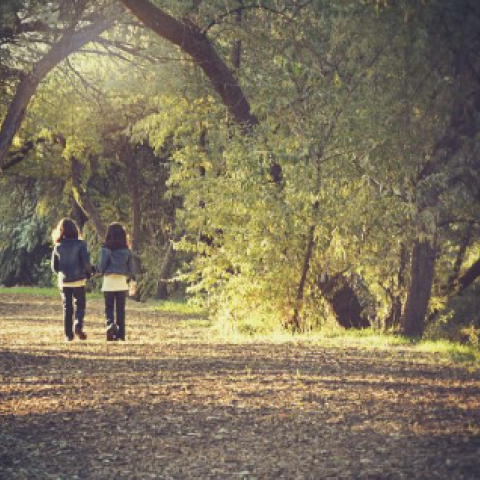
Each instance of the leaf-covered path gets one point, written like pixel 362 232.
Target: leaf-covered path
pixel 176 402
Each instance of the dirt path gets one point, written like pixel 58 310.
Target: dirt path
pixel 175 402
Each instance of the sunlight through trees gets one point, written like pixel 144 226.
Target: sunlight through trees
pixel 287 163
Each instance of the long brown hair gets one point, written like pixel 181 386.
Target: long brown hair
pixel 66 228
pixel 116 237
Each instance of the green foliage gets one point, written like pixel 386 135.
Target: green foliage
pixel 353 99
pixel 458 319
pixel 24 247
pixel 253 263
pixel 453 351
pixel 180 305
pixel 330 116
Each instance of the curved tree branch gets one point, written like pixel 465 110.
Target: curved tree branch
pixel 69 43
pixel 15 157
pixel 188 37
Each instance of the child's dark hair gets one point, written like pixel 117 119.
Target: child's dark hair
pixel 116 237
pixel 66 228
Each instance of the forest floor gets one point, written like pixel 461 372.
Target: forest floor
pixel 176 401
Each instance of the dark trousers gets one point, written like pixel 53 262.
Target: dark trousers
pixel 69 295
pixel 115 303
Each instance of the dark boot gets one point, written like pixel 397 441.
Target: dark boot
pixel 80 333
pixel 111 332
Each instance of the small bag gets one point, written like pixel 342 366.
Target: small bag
pixel 132 288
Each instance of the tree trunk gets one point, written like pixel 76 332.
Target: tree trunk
pixel 166 273
pixel 69 43
pixel 83 199
pixel 422 271
pixel 395 315
pixel 344 302
pixel 134 193
pixel 194 43
pixel 469 276
pixel 128 158
pixel 396 294
pixel 237 46
pixel 78 214
pixel 295 321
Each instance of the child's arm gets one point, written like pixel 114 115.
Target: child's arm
pixel 54 261
pixel 104 256
pixel 85 260
pixel 131 267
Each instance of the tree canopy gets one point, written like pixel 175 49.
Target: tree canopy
pixel 288 162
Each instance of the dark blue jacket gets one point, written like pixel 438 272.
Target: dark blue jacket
pixel 119 262
pixel 71 258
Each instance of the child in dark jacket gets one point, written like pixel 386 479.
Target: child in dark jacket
pixel 116 266
pixel 71 261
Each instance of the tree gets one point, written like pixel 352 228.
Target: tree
pixel 453 30
pixel 369 117
pixel 195 44
pixel 23 235
pixel 69 39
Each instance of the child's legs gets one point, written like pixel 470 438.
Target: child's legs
pixel 120 298
pixel 109 307
pixel 67 302
pixel 80 304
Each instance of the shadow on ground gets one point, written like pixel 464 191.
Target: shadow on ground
pixel 177 403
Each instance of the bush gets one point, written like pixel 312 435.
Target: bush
pixel 459 320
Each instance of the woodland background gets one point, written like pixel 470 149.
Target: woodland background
pixel 288 164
